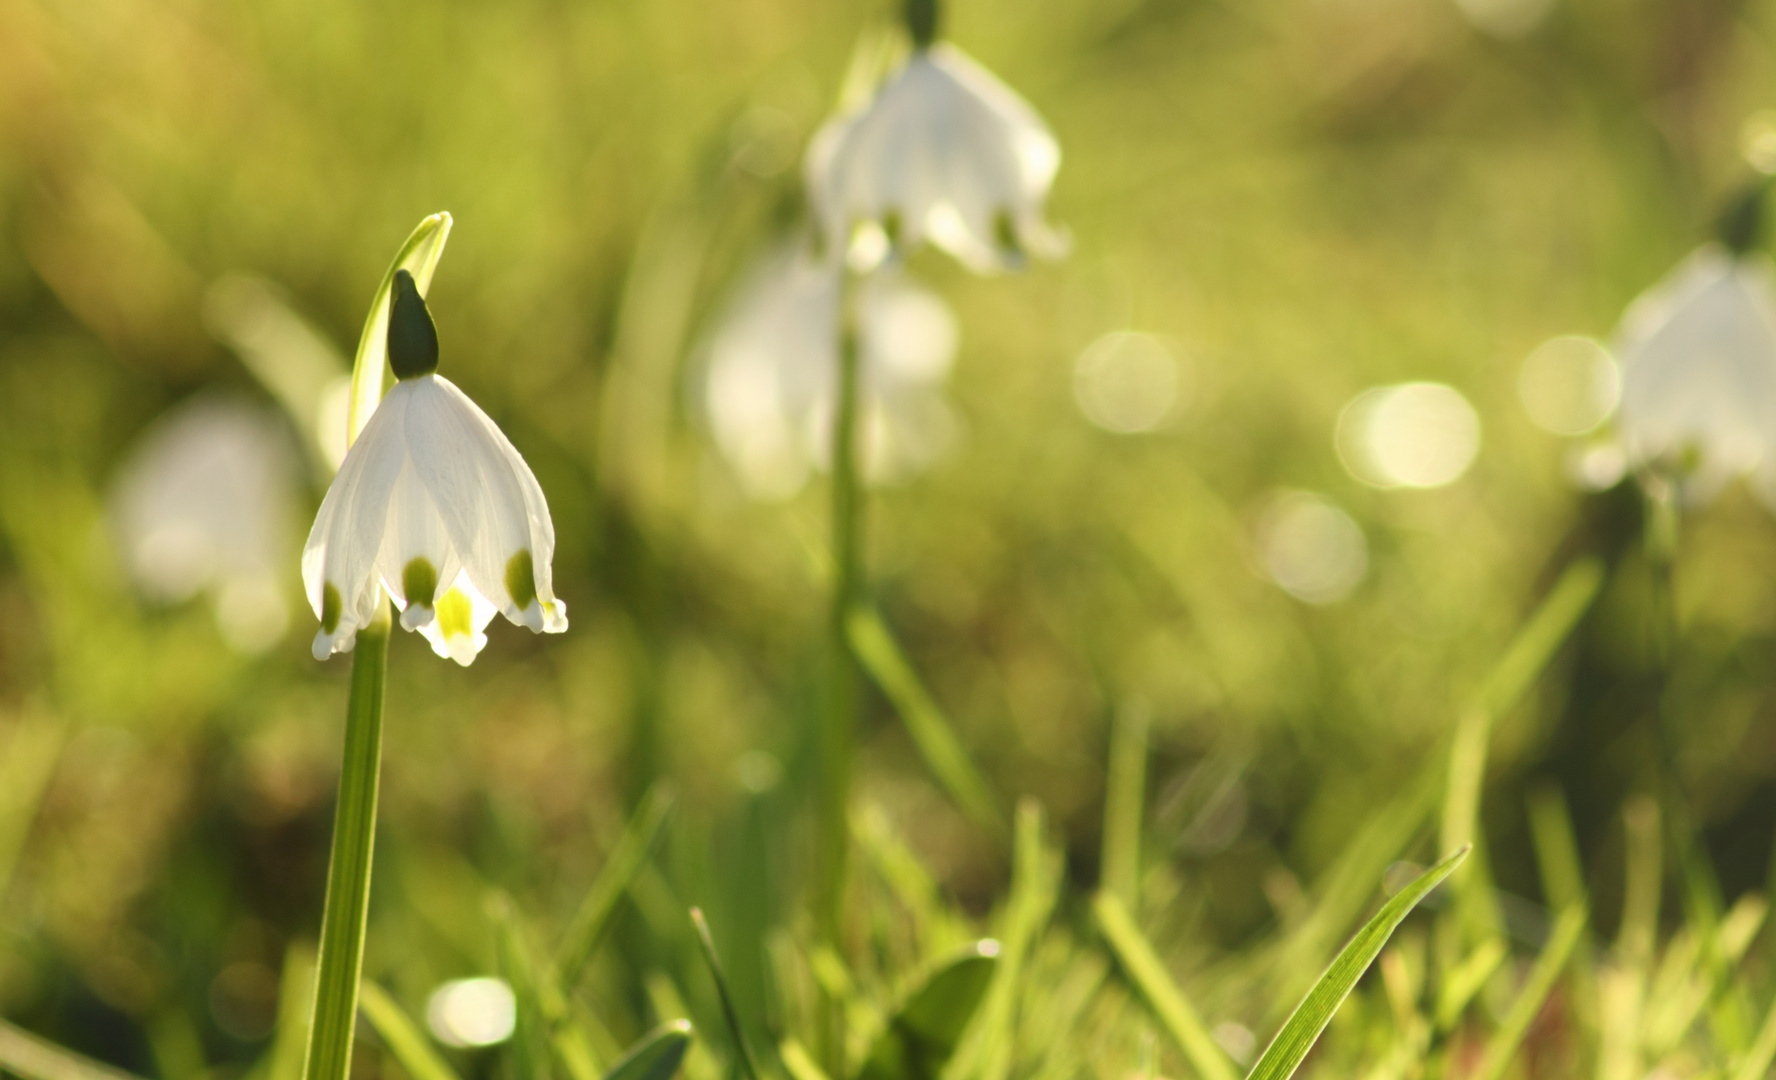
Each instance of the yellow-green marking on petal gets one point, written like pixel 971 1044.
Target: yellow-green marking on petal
pixel 331 606
pixel 1005 232
pixel 456 615
pixel 521 579
pixel 419 581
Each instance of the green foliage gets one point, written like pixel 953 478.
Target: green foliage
pixel 923 1033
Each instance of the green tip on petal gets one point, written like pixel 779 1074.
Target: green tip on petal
pixel 891 227
pixel 331 606
pixel 1005 233
pixel 521 579
pixel 921 22
pixel 412 339
pixel 419 582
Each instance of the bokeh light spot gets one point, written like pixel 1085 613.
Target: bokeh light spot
pixel 1311 548
pixel 472 1012
pixel 1419 435
pixel 1126 382
pixel 1569 385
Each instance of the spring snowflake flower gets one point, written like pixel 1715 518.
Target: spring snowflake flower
pixel 1699 374
pixel 772 366
pixel 434 505
pixel 944 152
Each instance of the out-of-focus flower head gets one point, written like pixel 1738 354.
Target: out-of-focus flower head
pixel 943 152
pixel 435 505
pixel 202 503
pixel 1698 355
pixel 772 367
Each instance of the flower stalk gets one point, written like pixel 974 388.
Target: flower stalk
pixel 838 733
pixel 347 907
pixel 348 872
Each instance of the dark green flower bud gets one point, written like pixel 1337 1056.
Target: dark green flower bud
pixel 1742 224
pixel 921 21
pixel 412 339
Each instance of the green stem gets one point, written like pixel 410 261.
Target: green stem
pixel 348 872
pixel 838 733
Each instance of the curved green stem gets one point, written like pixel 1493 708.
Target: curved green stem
pixel 348 872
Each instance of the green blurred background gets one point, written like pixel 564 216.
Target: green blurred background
pixel 1301 198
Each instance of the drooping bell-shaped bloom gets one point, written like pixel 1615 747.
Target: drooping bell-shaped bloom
pixel 434 505
pixel 943 152
pixel 202 503
pixel 772 369
pixel 1698 355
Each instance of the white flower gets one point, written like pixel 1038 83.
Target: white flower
pixel 434 505
pixel 203 502
pixel 772 370
pixel 944 152
pixel 1699 374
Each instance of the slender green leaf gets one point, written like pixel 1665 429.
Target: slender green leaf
pixel 348 872
pixel 33 1058
pixel 295 991
pixel 401 1035
pixel 517 963
pixel 1163 996
pixel 934 735
pixel 924 1032
pixel 657 1055
pixel 1502 1047
pixel 1460 985
pixel 418 256
pixel 1303 1027
pixel 26 765
pixel 1124 795
pixel 729 1013
pixel 594 915
pixel 798 1062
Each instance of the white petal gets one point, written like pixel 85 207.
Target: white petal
pixel 347 533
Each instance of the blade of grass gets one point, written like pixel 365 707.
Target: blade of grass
pixel 1460 986
pixel 656 1055
pixel 295 990
pixel 741 1046
pixel 1568 931
pixel 1291 1044
pixel 1756 1062
pixel 1563 884
pixel 1035 887
pixel 39 1059
pixel 518 967
pixel 931 729
pixel 924 1032
pixel 32 751
pixel 1623 996
pixel 594 915
pixel 1162 995
pixel 798 1062
pixel 401 1035
pixel 1529 652
pixel 1124 796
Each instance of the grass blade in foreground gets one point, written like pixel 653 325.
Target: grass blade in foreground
pixel 657 1055
pixel 401 1036
pixel 922 1036
pixel 1163 996
pixel 1504 1043
pixel 1304 1025
pixel 594 915
pixel 931 730
pixel 24 1054
pixel 741 1046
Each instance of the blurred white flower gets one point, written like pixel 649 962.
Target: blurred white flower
pixel 943 152
pixel 772 369
pixel 1699 374
pixel 435 505
pixel 203 503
